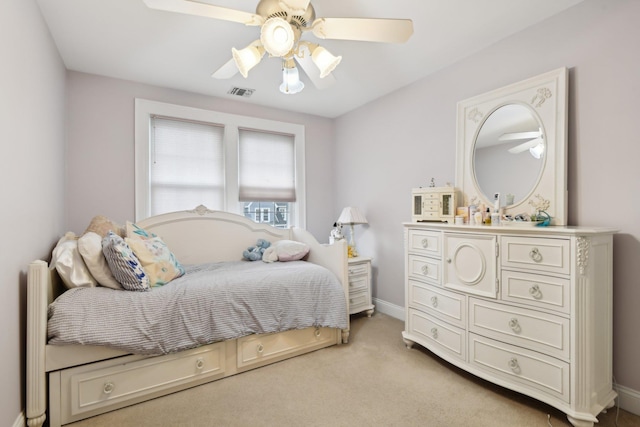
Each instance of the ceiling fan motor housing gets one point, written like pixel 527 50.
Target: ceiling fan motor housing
pixel 272 8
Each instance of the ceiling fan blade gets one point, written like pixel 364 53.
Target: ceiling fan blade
pixel 227 71
pixel 363 29
pixel 524 146
pixel 294 7
pixel 519 135
pixel 189 7
pixel 310 69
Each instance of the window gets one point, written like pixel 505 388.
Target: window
pixel 187 156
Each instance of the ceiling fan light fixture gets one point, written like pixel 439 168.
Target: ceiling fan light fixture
pixel 247 58
pixel 325 61
pixel 537 150
pixel 291 83
pixel 277 36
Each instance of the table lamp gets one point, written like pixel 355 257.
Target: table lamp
pixel 352 215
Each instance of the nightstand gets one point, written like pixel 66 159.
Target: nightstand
pixel 360 286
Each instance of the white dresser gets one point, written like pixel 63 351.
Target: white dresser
pixel 528 308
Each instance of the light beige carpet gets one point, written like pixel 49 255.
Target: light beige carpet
pixel 373 380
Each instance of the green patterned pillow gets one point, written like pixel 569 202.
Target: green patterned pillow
pixel 158 262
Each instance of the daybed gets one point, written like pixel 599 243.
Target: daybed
pixel 73 382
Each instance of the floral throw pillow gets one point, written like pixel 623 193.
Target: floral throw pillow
pixel 157 260
pixel 124 264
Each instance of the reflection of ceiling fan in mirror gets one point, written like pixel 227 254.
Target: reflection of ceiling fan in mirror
pixel 282 23
pixel 532 141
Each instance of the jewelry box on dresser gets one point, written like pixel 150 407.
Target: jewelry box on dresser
pixel 526 307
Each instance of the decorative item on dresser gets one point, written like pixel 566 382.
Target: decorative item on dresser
pixel 528 308
pixel 433 204
pixel 360 286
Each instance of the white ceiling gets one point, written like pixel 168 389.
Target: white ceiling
pixel 125 39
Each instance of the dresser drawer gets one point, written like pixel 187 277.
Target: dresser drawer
pixel 532 329
pixel 425 242
pixel 358 270
pixel 530 370
pixel 358 283
pixel 359 301
pixel 254 350
pixel 95 389
pixel 550 255
pixel 443 304
pixel 436 333
pixel 424 268
pixel 537 290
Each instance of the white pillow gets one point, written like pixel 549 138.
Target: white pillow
pixel 69 264
pixel 285 250
pixel 90 247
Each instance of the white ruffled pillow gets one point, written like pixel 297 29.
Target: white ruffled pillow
pixel 285 250
pixel 69 264
pixel 90 247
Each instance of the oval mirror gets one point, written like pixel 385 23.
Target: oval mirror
pixel 509 154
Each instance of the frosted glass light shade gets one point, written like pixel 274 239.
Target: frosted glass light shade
pixel 325 61
pixel 291 83
pixel 537 150
pixel 277 36
pixel 247 58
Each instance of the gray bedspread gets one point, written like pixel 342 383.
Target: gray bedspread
pixel 211 302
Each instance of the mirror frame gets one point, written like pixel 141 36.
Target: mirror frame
pixel 547 95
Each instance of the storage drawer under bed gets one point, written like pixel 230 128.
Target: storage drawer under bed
pixel 89 389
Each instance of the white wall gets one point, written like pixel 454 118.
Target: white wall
pixel 32 105
pixel 409 136
pixel 101 148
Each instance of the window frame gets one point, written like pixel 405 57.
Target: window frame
pixel 145 109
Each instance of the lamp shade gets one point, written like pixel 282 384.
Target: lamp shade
pixel 325 61
pixel 352 215
pixel 291 83
pixel 247 58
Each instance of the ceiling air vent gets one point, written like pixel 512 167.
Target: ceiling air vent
pixel 239 91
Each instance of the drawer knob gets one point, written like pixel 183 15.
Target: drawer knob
pixel 317 332
pixel 434 301
pixel 514 324
pixel 535 291
pixel 108 387
pixel 513 364
pixel 535 255
pixel 448 260
pixel 434 333
pixel 425 243
pixel 199 364
pixel 260 348
pixel 425 269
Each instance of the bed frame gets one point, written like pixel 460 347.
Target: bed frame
pixel 74 382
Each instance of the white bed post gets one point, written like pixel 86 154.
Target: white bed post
pixel 38 288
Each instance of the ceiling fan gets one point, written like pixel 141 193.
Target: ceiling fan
pixel 282 24
pixel 533 141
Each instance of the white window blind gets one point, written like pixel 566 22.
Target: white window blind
pixel 187 165
pixel 267 170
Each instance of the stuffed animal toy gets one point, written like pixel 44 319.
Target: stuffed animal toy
pixel 254 253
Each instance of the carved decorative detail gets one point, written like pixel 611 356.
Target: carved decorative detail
pixel 201 210
pixel 475 115
pixel 540 97
pixel 540 204
pixel 582 246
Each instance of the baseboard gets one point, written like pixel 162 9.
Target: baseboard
pixel 628 399
pixel 21 421
pixel 389 309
